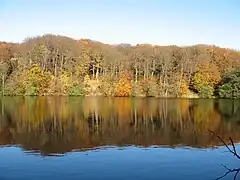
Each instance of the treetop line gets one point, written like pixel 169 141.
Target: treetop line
pixel 58 65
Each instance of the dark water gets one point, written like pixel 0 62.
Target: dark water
pixel 116 138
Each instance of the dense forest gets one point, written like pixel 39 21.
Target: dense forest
pixel 58 65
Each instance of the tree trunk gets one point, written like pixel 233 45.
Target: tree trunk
pixel 147 69
pixel 97 72
pixel 93 71
pixel 136 75
pixel 180 80
pixel 3 84
pixel 62 63
pixel 55 69
pixel 153 68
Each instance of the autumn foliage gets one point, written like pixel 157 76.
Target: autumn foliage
pixel 123 86
pixel 58 65
pixel 183 88
pixel 37 81
pixel 206 76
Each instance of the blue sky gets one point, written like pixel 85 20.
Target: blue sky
pixel 162 22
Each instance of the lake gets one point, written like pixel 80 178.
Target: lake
pixel 116 138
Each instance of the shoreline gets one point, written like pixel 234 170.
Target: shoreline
pixel 99 96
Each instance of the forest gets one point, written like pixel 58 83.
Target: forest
pixel 62 66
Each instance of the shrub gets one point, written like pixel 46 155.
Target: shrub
pixel 206 91
pixel 230 85
pixel 30 90
pixel 75 90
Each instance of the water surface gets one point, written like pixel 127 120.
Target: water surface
pixel 116 138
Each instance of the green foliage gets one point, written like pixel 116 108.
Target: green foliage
pixel 30 90
pixel 75 90
pixel 230 85
pixel 225 91
pixel 206 91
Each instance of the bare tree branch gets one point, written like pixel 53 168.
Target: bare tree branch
pixel 233 151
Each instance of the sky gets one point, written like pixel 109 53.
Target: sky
pixel 157 22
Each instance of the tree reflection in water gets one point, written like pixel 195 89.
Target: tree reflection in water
pixel 56 125
pixel 235 171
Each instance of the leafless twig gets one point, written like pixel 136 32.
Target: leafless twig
pixel 233 150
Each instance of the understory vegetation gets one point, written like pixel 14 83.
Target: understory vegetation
pixel 57 65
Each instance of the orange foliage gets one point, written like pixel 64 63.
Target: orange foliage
pixel 183 88
pixel 123 87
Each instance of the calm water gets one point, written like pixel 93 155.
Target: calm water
pixel 116 138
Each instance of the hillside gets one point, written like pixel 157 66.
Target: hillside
pixel 58 65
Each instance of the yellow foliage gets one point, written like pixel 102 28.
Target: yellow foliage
pixel 206 74
pixel 60 84
pixel 64 82
pixel 38 79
